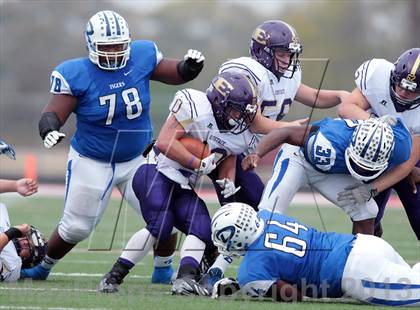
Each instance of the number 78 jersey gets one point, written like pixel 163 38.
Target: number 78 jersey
pixel 290 251
pixel 113 117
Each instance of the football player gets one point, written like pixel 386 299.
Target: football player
pixel 386 88
pixel 319 264
pixel 22 245
pixel 226 118
pixel 109 93
pixel 273 66
pixel 330 155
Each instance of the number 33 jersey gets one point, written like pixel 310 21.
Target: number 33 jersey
pixel 113 111
pixel 325 147
pixel 290 251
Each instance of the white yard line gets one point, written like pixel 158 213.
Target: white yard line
pixel 93 275
pixel 18 288
pixel 49 308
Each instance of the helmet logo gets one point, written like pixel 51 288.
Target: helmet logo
pixel 411 77
pixel 225 234
pixel 260 36
pixel 223 86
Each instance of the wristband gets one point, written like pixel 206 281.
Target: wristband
pixel 189 164
pixel 188 71
pixel 12 233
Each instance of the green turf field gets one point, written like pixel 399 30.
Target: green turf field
pixel 73 281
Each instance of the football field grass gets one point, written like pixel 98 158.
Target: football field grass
pixel 73 281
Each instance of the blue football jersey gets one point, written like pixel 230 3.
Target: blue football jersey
pixel 290 251
pixel 325 148
pixel 113 112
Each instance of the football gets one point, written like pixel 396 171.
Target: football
pixel 195 147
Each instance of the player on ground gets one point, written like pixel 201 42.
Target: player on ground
pixel 331 155
pixel 109 93
pixel 386 88
pixel 20 246
pixel 221 118
pixel 319 264
pixel 273 66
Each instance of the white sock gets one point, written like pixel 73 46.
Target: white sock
pixel 193 247
pixel 138 246
pixel 222 262
pixel 163 261
pixel 49 262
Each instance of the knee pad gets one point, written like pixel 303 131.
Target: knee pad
pixel 82 212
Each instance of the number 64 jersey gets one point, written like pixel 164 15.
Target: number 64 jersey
pixel 113 122
pixel 290 251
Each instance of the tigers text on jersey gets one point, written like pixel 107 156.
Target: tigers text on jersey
pixel 113 121
pixel 325 148
pixel 372 78
pixel 288 250
pixel 276 96
pixel 10 262
pixel 194 112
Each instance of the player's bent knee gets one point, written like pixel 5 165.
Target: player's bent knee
pixel 76 232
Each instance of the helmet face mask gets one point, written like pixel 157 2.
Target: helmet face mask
pixel 272 37
pixel 406 76
pixel 371 146
pixel 235 226
pixel 108 40
pixel 31 248
pixel 234 102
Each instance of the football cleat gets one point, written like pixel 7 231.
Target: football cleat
pixel 187 286
pixel 108 284
pixel 35 273
pixel 111 281
pixel 162 275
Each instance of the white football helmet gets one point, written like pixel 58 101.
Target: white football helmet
pixel 235 226
pixel 103 29
pixel 371 146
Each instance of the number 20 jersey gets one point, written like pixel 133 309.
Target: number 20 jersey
pixel 325 147
pixel 113 111
pixel 290 251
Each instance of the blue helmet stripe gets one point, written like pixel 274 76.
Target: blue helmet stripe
pixel 375 157
pixel 117 24
pixel 108 26
pixel 363 153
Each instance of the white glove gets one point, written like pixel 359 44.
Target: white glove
pixel 207 164
pixel 194 55
pixel 228 187
pixel 7 150
pixel 389 119
pixel 52 138
pixel 356 194
pixel 225 287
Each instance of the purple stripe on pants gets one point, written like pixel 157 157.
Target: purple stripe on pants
pixel 164 204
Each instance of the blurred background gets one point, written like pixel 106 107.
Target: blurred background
pixel 35 36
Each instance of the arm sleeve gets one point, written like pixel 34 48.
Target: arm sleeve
pixel 159 55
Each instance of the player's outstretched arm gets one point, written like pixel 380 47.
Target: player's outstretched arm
pixel 54 115
pixel 354 106
pixel 24 187
pixel 322 99
pixel 296 135
pixel 175 72
pixel 401 171
pixel 263 125
pixel 13 232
